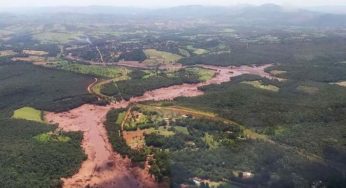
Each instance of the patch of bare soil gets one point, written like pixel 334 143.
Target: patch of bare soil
pixel 104 167
pixel 135 139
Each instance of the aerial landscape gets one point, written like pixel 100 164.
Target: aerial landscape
pixel 178 94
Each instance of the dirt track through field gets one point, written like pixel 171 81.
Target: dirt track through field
pixel 106 168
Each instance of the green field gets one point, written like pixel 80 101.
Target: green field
pixel 204 74
pixel 160 131
pixel 197 51
pixel 57 37
pixel 161 56
pixel 260 85
pixel 181 129
pixel 51 137
pixel 28 113
pixel 94 70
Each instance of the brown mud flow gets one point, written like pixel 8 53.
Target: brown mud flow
pixel 106 168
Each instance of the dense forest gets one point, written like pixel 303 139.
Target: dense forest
pixel 28 162
pixel 33 154
pixel 285 52
pixel 42 88
pixel 299 114
pixel 135 55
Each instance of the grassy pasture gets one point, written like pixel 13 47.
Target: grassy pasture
pixel 35 52
pixel 184 52
pixel 197 51
pixel 161 56
pixel 277 72
pixel 181 129
pixel 31 59
pixel 28 113
pixel 51 137
pixel 204 74
pixel 260 85
pixel 160 131
pixel 94 70
pixel 308 89
pixel 57 37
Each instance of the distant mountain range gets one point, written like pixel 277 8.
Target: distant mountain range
pixel 264 15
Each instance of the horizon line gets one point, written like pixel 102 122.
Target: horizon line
pixel 168 6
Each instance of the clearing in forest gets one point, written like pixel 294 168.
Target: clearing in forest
pixel 197 51
pixel 94 70
pixel 160 57
pixel 260 85
pixel 35 52
pixel 28 113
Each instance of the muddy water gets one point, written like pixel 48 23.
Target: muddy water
pixel 104 167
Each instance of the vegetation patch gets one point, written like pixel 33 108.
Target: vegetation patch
pixel 160 140
pixel 57 37
pixel 159 131
pixel 126 89
pixel 161 57
pixel 197 51
pixel 31 58
pixel 184 52
pixel 210 141
pixel 260 85
pixel 116 138
pixel 308 89
pixel 277 72
pixel 94 70
pixel 181 129
pixel 51 137
pixel 28 113
pixel 35 52
pixel 27 162
pixel 204 74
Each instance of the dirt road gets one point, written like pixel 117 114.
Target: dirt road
pixel 104 167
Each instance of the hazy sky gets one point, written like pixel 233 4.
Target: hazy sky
pixel 163 3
